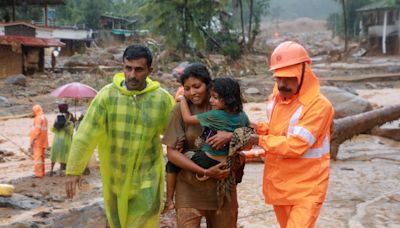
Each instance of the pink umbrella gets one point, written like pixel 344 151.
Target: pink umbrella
pixel 74 90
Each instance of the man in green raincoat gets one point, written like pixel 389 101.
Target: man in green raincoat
pixel 125 120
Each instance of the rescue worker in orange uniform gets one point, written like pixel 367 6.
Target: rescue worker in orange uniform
pixel 39 140
pixel 296 139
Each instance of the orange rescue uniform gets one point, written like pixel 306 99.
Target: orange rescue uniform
pixel 39 140
pixel 296 140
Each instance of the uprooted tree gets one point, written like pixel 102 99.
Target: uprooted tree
pixel 348 127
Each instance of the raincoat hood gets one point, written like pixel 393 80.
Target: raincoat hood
pixel 37 110
pixel 119 78
pixel 310 88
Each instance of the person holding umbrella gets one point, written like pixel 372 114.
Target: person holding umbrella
pixel 125 120
pixel 63 130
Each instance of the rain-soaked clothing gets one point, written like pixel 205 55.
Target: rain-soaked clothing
pixel 39 140
pixel 195 199
pixel 126 126
pixel 296 139
pixel 62 142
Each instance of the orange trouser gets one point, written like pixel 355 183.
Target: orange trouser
pixel 297 216
pixel 38 157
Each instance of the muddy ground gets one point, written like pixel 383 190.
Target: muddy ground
pixel 363 191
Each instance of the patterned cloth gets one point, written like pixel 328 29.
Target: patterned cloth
pixel 240 138
pixel 126 126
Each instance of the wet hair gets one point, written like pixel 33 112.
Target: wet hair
pixel 137 51
pixel 63 108
pixel 198 71
pixel 228 90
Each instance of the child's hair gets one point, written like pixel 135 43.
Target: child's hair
pixel 228 90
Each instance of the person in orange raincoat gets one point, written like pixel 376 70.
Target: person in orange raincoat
pixel 296 139
pixel 39 139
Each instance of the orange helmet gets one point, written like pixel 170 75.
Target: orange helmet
pixel 288 53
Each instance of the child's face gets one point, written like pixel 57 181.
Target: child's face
pixel 215 101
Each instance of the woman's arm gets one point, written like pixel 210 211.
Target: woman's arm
pixel 186 115
pixel 220 139
pixel 179 159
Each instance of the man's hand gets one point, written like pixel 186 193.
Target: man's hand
pixel 219 140
pixel 70 185
pixel 217 173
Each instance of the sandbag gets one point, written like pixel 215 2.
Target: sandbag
pixel 6 190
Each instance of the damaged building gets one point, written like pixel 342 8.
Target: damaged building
pixel 380 24
pixel 21 51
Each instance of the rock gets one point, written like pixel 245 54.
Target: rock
pixel 24 225
pixel 18 79
pixel 252 90
pixel 393 69
pixel 370 85
pixel 4 102
pixel 19 201
pixel 88 216
pixel 345 103
pixel 80 60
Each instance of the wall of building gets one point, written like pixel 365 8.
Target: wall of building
pixel 10 62
pixel 19 30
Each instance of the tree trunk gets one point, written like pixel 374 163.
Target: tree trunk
pixel 348 127
pixel 242 22
pixel 345 25
pixel 391 133
pixel 251 4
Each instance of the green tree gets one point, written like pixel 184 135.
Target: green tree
pixel 185 24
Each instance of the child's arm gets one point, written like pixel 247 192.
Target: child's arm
pixel 186 115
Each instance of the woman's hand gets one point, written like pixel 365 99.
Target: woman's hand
pixel 216 172
pixel 219 140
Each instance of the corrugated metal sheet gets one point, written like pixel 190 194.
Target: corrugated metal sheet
pixel 31 2
pixel 378 5
pixel 31 41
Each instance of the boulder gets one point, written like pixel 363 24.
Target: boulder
pixel 18 79
pixel 4 102
pixel 345 103
pixel 19 201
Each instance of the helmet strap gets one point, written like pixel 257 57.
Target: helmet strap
pixel 303 67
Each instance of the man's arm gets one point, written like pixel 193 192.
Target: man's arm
pixel 90 132
pixel 310 127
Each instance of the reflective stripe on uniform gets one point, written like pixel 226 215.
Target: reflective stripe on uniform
pixel 305 134
pixel 293 121
pixel 318 152
pixel 308 136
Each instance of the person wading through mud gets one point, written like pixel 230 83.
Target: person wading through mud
pixel 125 120
pixel 39 140
pixel 63 130
pixel 296 139
pixel 194 198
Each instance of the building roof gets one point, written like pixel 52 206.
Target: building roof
pixel 126 20
pixel 31 2
pixel 378 5
pixel 5 24
pixel 30 41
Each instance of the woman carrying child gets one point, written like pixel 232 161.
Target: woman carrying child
pixel 196 194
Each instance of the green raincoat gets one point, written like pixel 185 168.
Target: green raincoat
pixel 126 126
pixel 61 143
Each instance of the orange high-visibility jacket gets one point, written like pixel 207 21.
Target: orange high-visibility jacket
pixel 39 128
pixel 296 139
